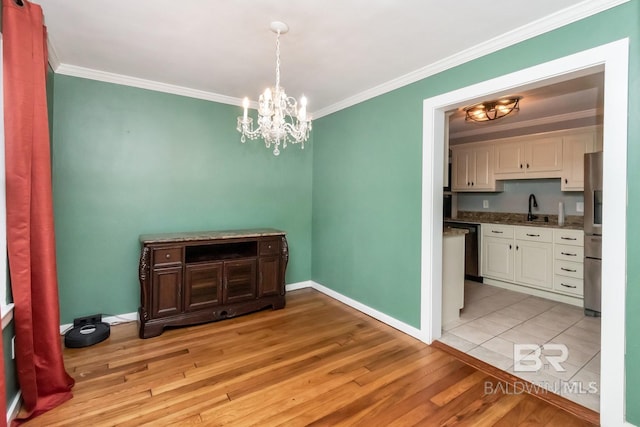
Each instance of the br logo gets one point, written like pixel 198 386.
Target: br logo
pixel 528 357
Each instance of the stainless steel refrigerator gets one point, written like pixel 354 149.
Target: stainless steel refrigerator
pixel 592 233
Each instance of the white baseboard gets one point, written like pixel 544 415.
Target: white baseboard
pixel 14 407
pixel 299 285
pixel 132 317
pixel 112 320
pixel 378 315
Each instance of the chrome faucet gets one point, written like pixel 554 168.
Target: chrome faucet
pixel 530 216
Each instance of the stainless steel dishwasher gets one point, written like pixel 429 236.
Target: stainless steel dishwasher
pixel 471 248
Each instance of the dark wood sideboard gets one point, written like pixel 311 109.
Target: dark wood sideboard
pixel 189 278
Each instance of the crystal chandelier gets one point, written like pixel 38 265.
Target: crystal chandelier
pixel 279 120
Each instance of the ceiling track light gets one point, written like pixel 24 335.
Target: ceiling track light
pixel 492 110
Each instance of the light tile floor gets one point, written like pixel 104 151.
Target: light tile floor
pixel 494 319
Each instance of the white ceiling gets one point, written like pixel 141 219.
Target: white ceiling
pixel 335 51
pixel 576 102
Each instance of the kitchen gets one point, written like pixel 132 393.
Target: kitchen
pixel 517 187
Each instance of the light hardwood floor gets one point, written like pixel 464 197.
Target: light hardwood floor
pixel 316 362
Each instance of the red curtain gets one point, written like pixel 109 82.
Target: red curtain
pixel 30 234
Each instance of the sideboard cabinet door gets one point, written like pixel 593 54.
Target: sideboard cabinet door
pixel 203 286
pixel 166 299
pixel 269 282
pixel 239 280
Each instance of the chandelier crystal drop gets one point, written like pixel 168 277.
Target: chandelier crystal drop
pixel 280 122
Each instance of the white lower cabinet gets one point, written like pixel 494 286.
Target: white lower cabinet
pixel 497 251
pixel 497 257
pixel 534 264
pixel 569 262
pixel 534 256
pixel 530 258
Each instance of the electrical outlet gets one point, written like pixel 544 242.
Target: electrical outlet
pixel 485 204
pixel 87 320
pixel 579 206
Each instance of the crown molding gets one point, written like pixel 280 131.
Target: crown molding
pixel 543 25
pixel 121 79
pixel 556 118
pixel 548 23
pixel 52 56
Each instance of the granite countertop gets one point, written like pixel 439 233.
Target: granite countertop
pixel 208 235
pixel 571 222
pixel 452 232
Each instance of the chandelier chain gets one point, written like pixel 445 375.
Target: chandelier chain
pixel 278 61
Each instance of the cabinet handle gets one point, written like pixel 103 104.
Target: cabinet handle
pixel 472 183
pixel 509 247
pixel 533 235
pixel 568 238
pixel 567 269
pixel 568 254
pixel 520 165
pixel 527 165
pixel 167 256
pixel 568 286
pixel 566 181
pixel 517 248
pixel 497 232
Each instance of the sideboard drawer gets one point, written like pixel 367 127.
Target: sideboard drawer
pixel 166 256
pixel 269 247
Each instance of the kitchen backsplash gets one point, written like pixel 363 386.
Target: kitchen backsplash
pixel 515 198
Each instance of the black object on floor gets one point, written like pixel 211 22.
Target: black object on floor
pixel 86 335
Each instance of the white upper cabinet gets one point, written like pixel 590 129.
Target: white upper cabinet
pixel 537 157
pixel 559 154
pixel 483 158
pixel 461 164
pixel 473 168
pixel 544 155
pixel 509 158
pixel 574 148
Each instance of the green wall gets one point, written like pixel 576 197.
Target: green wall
pixel 129 161
pixel 367 175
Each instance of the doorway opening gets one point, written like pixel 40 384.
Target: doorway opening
pixel 611 58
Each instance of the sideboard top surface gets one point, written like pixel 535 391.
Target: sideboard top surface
pixel 195 236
